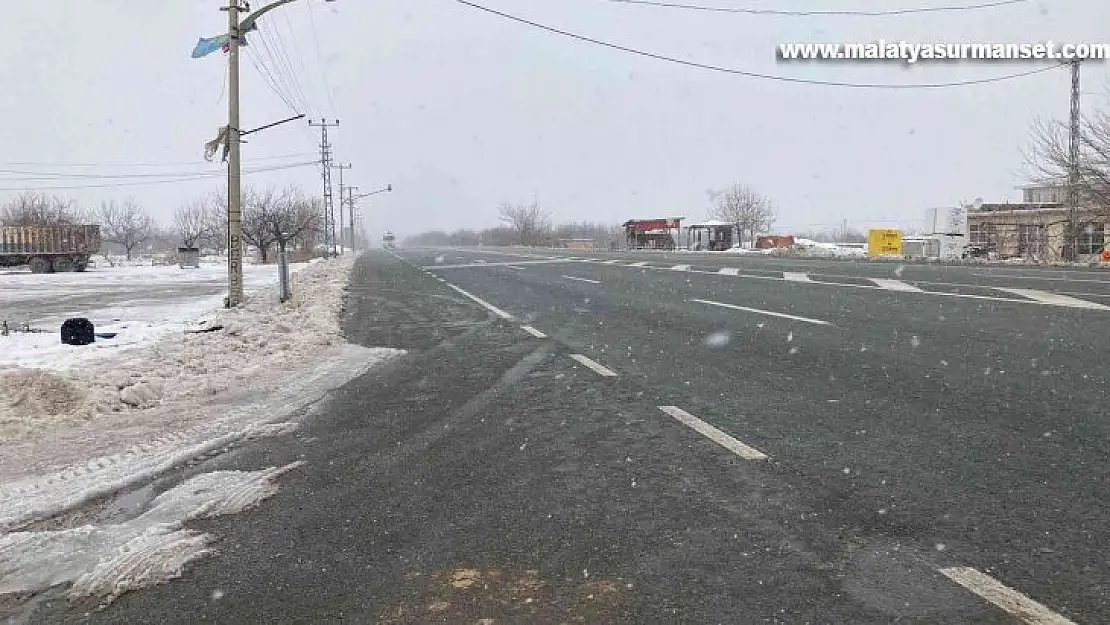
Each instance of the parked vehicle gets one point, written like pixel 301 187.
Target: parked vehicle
pixel 389 241
pixel 48 249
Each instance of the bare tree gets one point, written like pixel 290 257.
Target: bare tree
pixel 280 217
pixel 193 223
pixel 215 216
pixel 528 222
pixel 743 206
pixel 126 225
pixel 39 209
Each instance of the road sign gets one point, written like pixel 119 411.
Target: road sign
pixel 884 243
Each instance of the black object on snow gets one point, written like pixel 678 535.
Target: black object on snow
pixel 78 331
pixel 204 330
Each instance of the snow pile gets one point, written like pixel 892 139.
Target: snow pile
pixel 110 560
pixel 809 247
pixel 262 336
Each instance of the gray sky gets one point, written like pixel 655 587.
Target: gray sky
pixel 460 110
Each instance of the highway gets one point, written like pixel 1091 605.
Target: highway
pixel 697 438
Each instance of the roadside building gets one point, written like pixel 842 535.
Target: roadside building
pixel 1036 228
pixel 710 235
pixel 652 234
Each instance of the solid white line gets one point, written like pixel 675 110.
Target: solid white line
pixel 534 332
pixel 488 306
pixel 793 276
pixel 612 262
pixel 514 267
pixel 595 367
pixel 642 263
pixel 895 285
pixel 1004 597
pixel 761 312
pixel 729 271
pixel 581 279
pixel 713 434
pixel 1054 299
pixel 681 268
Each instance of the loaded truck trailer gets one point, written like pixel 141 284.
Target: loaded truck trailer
pixel 389 241
pixel 48 249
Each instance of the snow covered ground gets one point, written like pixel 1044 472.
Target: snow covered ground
pixel 69 434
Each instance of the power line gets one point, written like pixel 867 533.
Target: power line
pixel 164 164
pixel 48 175
pixel 172 180
pixel 270 80
pixel 750 74
pixel 784 12
pixel 320 59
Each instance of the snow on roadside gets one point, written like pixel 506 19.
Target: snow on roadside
pixel 70 436
pixel 106 561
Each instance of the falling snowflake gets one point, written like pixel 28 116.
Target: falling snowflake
pixel 916 342
pixel 718 339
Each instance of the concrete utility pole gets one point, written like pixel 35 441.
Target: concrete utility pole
pixel 234 192
pixel 351 219
pixel 325 170
pixel 342 235
pixel 1073 166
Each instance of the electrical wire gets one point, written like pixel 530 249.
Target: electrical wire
pixel 790 13
pixel 46 175
pixel 173 180
pixel 282 50
pixel 750 74
pixel 281 75
pixel 271 81
pixel 320 59
pixel 164 164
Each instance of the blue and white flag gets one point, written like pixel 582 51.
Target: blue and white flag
pixel 208 45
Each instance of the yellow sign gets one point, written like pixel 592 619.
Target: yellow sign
pixel 884 243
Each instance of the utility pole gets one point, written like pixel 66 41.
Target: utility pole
pixel 234 191
pixel 325 169
pixel 342 235
pixel 1073 166
pixel 351 216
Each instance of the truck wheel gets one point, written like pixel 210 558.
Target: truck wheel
pixel 63 264
pixel 39 264
pixel 81 264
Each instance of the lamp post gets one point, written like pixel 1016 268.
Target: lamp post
pixel 351 204
pixel 235 30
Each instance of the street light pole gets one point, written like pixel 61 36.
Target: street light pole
pixel 235 30
pixel 234 196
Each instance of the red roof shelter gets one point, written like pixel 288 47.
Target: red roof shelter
pixel 654 234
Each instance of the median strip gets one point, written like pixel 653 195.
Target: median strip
pixel 1006 598
pixel 724 440
pixel 762 312
pixel 593 366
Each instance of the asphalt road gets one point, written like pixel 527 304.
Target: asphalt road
pixel 925 448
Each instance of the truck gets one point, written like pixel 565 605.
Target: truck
pixel 49 249
pixel 389 241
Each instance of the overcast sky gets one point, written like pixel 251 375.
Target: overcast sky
pixel 461 110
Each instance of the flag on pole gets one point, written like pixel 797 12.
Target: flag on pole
pixel 208 45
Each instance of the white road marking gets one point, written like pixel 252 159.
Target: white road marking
pixel 681 268
pixel 1054 299
pixel 895 285
pixel 595 367
pixel 713 434
pixel 1051 278
pixel 642 263
pixel 581 279
pixel 729 271
pixel 762 312
pixel 534 332
pixel 514 267
pixel 793 276
pixel 612 262
pixel 507 264
pixel 488 306
pixel 1004 597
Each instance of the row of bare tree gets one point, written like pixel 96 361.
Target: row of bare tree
pixel 272 218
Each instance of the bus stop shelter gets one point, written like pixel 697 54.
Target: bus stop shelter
pixel 712 235
pixel 652 234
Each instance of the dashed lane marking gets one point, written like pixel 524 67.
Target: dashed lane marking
pixel 611 262
pixel 507 264
pixel 793 276
pixel 1006 598
pixel 601 370
pixel 681 268
pixel 1054 299
pixel 642 263
pixel 759 311
pixel 581 279
pixel 895 285
pixel 724 440
pixel 534 332
pixel 729 271
pixel 514 267
pixel 488 306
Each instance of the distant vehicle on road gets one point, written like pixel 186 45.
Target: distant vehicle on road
pixel 389 241
pixel 49 249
